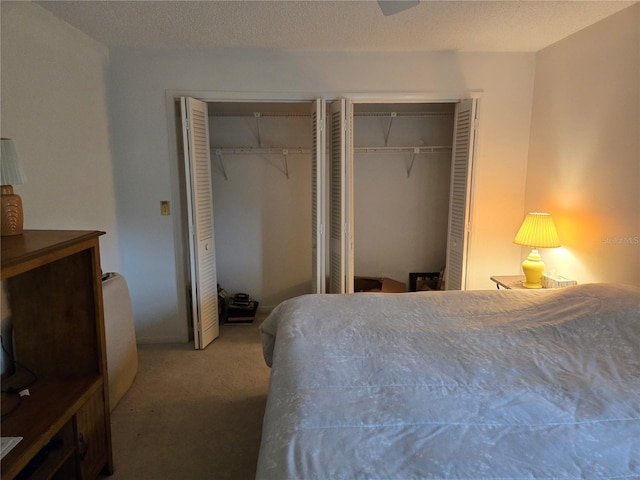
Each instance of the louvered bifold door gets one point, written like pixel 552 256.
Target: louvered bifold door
pixel 341 243
pixel 459 199
pixel 348 197
pixel 197 161
pixel 318 188
pixel 336 244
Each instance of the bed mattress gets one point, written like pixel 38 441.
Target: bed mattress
pixel 497 384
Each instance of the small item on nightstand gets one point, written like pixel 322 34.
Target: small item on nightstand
pixel 553 280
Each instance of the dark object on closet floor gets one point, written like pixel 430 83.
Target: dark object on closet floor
pixel 242 310
pixel 424 281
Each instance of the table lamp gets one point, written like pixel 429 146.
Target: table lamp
pixel 537 231
pixel 11 174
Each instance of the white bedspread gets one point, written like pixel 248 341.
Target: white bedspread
pixel 505 384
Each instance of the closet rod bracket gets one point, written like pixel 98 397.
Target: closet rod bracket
pixel 285 152
pixel 386 137
pixel 256 115
pixel 219 155
pixel 416 151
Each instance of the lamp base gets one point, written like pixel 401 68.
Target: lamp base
pixel 11 212
pixel 533 268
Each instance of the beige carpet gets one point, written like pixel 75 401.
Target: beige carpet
pixel 193 414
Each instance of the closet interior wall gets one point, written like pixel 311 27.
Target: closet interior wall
pixel 261 169
pixel 401 198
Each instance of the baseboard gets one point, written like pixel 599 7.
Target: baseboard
pixel 155 340
pixel 265 310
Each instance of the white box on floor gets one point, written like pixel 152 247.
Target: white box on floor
pixel 120 335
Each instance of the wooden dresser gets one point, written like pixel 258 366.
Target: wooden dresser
pixel 53 281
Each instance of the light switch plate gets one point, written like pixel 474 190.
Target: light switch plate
pixel 164 207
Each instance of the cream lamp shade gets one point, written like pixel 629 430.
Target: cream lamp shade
pixel 537 231
pixel 11 173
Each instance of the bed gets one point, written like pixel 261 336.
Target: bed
pixel 501 384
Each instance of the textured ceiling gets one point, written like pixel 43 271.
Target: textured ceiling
pixel 495 26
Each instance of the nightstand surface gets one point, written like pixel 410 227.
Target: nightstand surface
pixel 510 282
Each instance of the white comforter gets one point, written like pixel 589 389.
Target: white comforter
pixel 497 384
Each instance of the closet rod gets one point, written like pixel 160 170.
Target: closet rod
pixel 417 150
pixel 403 114
pixel 262 114
pixel 261 151
pixel 307 151
pixel 356 114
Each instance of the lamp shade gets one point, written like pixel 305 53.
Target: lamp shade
pixel 538 231
pixel 11 171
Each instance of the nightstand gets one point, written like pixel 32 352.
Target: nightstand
pixel 510 282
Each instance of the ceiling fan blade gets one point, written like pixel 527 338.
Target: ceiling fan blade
pixel 391 7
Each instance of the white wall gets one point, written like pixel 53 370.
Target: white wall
pixel 144 153
pixel 54 107
pixel 584 161
pixel 262 222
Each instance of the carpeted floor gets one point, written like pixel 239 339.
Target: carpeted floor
pixel 193 414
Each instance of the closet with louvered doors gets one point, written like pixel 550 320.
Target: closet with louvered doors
pixel 401 197
pixel 267 168
pixel 381 191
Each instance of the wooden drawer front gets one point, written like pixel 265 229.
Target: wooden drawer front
pixel 90 437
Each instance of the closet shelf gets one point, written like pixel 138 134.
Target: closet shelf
pixel 417 150
pixel 393 115
pixel 285 152
pixel 413 151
